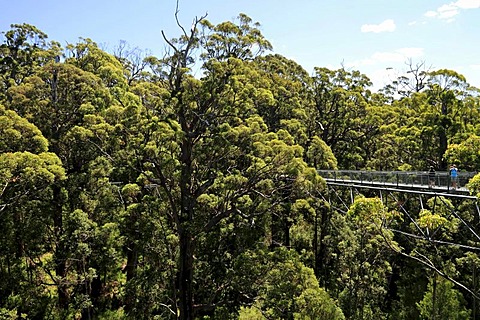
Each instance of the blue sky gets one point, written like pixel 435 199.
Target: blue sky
pixel 376 37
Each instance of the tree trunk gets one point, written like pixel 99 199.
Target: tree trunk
pixel 287 233
pixel 187 207
pixel 19 241
pixel 434 297
pixel 315 246
pixel 320 258
pixel 443 145
pixel 130 270
pixel 186 275
pixel 60 256
pixel 287 224
pixel 132 260
pixel 443 142
pixel 275 233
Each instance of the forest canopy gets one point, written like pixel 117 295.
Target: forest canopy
pixel 131 188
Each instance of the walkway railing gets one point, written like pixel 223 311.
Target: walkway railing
pixel 412 179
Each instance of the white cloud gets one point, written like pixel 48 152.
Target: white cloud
pixel 431 14
pixel 475 66
pixel 449 11
pixel 386 57
pixel 381 77
pixel 411 52
pixel 398 55
pixel 383 67
pixel 468 4
pixel 416 23
pixel 386 26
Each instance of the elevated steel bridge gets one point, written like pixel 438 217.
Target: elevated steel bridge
pixel 419 182
pixel 410 193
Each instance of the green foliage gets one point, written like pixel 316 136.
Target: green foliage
pixel 17 134
pixel 442 301
pixel 289 289
pixel 465 154
pixel 251 313
pixel 341 115
pixel 30 170
pixel 320 155
pixel 243 40
pixel 23 50
pixel 24 162
pixel 316 304
pixel 441 220
pixel 474 185
pixel 431 221
pixel 112 315
pixel 9 314
pixel 363 258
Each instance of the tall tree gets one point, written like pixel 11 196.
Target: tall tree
pixel 442 301
pixel 23 50
pixel 62 100
pixel 27 173
pixel 211 158
pixel 363 248
pixel 445 92
pixel 342 118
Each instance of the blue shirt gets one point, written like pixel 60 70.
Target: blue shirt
pixel 453 172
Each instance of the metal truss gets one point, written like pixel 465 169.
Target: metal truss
pixel 409 203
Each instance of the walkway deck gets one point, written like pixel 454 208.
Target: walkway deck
pixel 404 181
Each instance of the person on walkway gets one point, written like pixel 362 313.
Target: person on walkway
pixel 453 176
pixel 431 177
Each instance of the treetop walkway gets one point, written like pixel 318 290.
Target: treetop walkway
pixel 422 209
pixel 404 181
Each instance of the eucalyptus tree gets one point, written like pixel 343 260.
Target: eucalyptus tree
pixel 134 61
pixel 27 173
pixel 465 154
pixel 446 91
pixel 287 288
pixel 442 301
pixel 362 247
pixel 24 48
pixel 439 115
pixel 413 81
pixel 243 40
pixel 440 240
pixel 210 158
pixel 438 107
pixel 405 143
pixel 342 115
pixel 286 105
pixel 62 99
pixel 287 83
